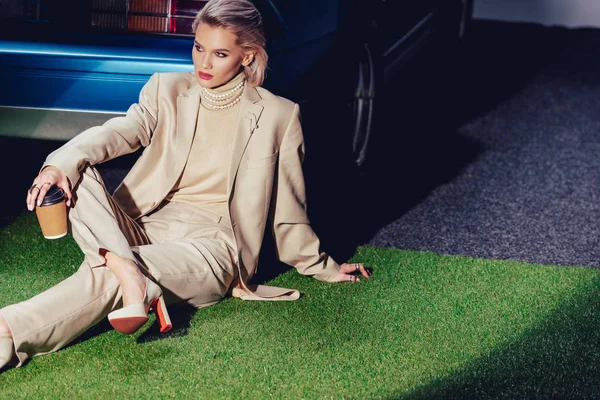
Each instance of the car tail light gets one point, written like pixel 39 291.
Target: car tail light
pixel 183 13
pixel 188 8
pixel 106 20
pixel 113 6
pixel 149 6
pixel 147 23
pixel 158 16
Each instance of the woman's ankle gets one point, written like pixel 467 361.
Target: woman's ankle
pixel 133 282
pixel 122 267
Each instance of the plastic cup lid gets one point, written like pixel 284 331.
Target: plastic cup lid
pixel 53 196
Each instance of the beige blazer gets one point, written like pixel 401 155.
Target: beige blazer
pixel 265 179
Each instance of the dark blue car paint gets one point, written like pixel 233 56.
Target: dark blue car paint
pixel 104 73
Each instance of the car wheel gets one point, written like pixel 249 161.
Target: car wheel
pixel 346 111
pixel 363 104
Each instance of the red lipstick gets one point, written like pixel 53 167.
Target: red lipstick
pixel 204 76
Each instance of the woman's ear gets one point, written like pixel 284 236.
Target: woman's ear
pixel 248 58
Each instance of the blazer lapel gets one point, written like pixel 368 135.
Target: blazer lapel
pixel 247 122
pixel 188 105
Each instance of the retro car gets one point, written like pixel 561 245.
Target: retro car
pixel 71 64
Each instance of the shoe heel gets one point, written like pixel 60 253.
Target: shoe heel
pixel 164 321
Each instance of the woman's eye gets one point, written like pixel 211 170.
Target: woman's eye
pixel 221 55
pixel 198 48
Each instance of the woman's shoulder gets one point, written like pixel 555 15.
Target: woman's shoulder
pixel 174 82
pixel 281 104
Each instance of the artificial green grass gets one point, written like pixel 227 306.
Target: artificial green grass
pixel 424 326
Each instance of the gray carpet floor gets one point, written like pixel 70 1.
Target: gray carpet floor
pixel 532 192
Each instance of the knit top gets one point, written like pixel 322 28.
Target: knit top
pixel 203 182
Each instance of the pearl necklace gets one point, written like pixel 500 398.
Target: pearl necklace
pixel 219 101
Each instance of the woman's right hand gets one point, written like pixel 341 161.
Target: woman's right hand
pixel 48 177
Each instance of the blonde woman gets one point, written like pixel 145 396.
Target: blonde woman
pixel 222 158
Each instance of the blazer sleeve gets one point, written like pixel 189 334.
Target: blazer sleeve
pixel 118 136
pixel 295 241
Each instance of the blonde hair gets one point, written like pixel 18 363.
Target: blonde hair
pixel 241 18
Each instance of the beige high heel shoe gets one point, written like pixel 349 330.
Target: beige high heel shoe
pixel 130 318
pixel 7 350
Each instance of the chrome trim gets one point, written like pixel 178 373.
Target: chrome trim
pixel 39 123
pixel 405 38
pixel 392 67
pixel 96 55
pixel 65 109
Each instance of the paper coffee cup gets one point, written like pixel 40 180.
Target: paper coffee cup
pixel 52 214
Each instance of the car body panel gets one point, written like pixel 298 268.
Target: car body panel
pixel 57 70
pixel 62 73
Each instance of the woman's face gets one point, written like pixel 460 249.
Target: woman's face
pixel 217 56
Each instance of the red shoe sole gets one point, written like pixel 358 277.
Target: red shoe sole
pixel 129 325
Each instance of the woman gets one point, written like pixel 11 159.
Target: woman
pixel 186 224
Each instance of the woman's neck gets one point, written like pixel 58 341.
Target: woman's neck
pixel 224 96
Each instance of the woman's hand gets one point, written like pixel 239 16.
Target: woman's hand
pixel 351 272
pixel 48 177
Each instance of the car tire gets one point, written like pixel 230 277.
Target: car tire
pixel 364 117
pixel 454 22
pixel 343 106
pixel 363 87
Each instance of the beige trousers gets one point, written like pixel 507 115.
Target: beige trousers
pixel 187 251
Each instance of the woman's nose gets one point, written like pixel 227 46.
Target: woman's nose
pixel 206 64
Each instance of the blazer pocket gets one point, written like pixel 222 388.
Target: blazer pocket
pixel 262 162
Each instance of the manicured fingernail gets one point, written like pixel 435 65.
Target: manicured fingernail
pixel 39 203
pixel 29 207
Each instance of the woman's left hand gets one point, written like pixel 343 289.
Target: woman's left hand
pixel 351 272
